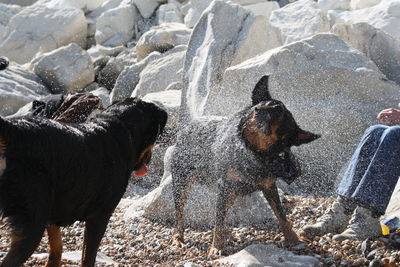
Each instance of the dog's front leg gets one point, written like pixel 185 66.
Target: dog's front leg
pixel 55 242
pixel 224 202
pixel 94 231
pixel 272 196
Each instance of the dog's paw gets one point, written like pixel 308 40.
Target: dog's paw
pixel 291 241
pixel 177 240
pixel 213 252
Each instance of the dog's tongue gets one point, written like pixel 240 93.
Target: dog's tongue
pixel 142 171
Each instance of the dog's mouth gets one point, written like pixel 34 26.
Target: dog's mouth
pixel 288 171
pixel 142 171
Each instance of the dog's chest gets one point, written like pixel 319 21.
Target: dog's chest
pixel 3 162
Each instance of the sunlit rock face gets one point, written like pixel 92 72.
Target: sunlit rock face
pixel 384 16
pixel 162 38
pixel 330 88
pixel 65 70
pixel 380 47
pixel 299 20
pixel 39 28
pixel 225 35
pixel 17 88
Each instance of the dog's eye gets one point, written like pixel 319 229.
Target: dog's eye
pixel 281 155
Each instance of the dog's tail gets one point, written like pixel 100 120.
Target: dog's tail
pixel 4 62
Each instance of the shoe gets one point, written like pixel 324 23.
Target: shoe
pixel 334 220
pixel 362 225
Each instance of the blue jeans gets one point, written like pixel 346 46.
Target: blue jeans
pixel 374 169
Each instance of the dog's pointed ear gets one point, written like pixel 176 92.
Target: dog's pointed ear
pixel 304 137
pixel 260 91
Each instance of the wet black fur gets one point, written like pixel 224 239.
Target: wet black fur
pixel 60 173
pixel 208 147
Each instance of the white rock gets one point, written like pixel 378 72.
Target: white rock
pixel 376 44
pixel 194 11
pixel 268 255
pixel 65 70
pixel 85 5
pixel 263 9
pixel 326 5
pixel 19 2
pixel 330 88
pixel 116 26
pixel 162 38
pixel 200 206
pixel 101 54
pixel 359 4
pixel 248 2
pixel 225 35
pixel 17 88
pixel 171 101
pixel 41 29
pixel 146 7
pixel 169 13
pixel 76 256
pixel 6 13
pixel 299 20
pixel 384 16
pixel 160 73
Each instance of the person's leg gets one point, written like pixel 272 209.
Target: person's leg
pixel 378 182
pixel 375 188
pixel 336 217
pixel 360 161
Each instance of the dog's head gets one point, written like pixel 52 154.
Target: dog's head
pixel 270 130
pixel 145 122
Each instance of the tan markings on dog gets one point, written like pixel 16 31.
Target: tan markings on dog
pixel 55 242
pixel 147 150
pixel 266 183
pixel 3 162
pixel 256 137
pixel 235 175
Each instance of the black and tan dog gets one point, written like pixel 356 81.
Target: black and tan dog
pixel 241 154
pixel 53 174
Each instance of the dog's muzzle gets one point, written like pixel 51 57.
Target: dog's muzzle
pixel 287 170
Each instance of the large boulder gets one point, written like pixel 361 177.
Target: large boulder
pixel 225 35
pixel 330 88
pixel 194 9
pixel 39 28
pixel 263 8
pixel 115 26
pixel 268 255
pixel 384 16
pixel 326 5
pixel 19 2
pixel 17 88
pixel 299 20
pixel 170 12
pixel 162 38
pixel 85 5
pixel 376 44
pixel 6 13
pixel 160 73
pixel 359 4
pixel 65 70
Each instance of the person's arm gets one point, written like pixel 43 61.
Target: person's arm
pixel 390 116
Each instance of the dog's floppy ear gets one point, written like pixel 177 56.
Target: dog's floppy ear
pixel 304 137
pixel 260 92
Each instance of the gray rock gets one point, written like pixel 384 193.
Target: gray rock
pixel 65 70
pixel 17 88
pixel 380 47
pixel 236 35
pixel 7 11
pixel 146 7
pixel 160 73
pixel 168 13
pixel 115 27
pixel 101 54
pixel 260 255
pixel 75 256
pixel 162 38
pixel 19 2
pixel 39 28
